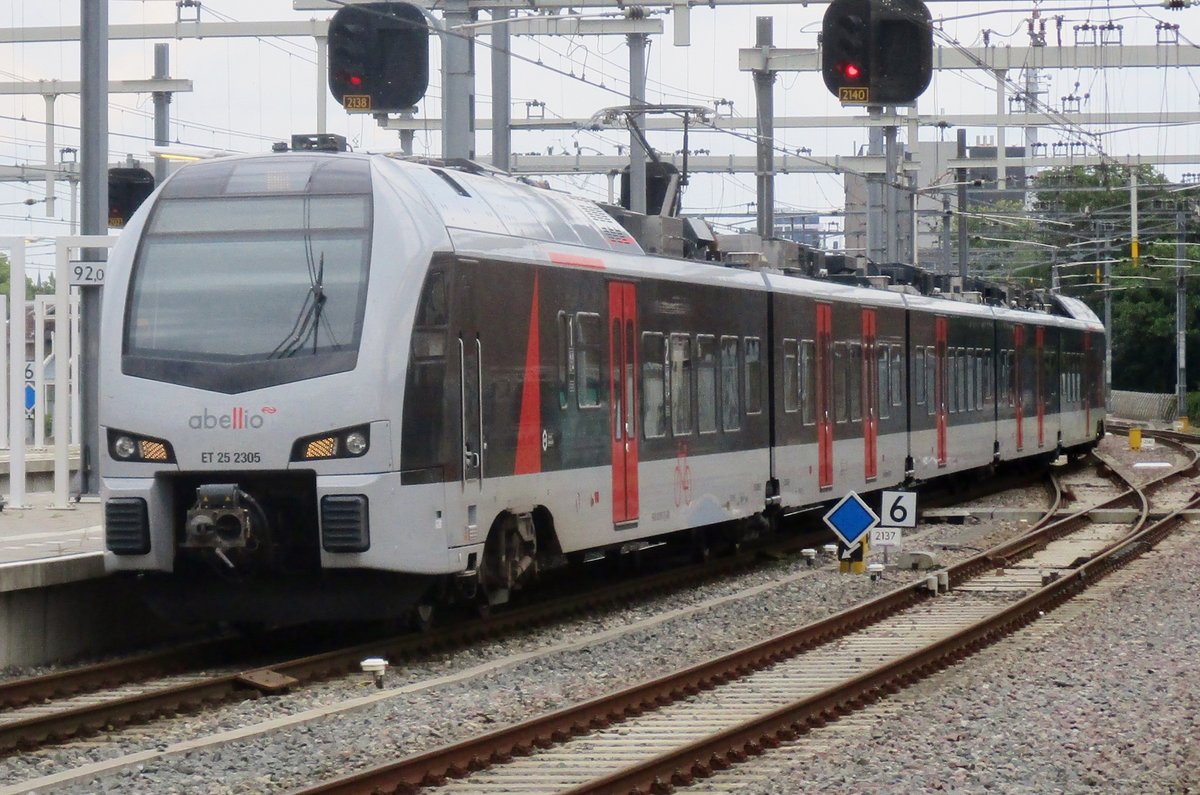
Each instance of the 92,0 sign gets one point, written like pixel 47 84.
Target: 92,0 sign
pixel 86 274
pixel 899 509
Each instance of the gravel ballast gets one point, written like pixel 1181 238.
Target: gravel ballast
pixel 1112 705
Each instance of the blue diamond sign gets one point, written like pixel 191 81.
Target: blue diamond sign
pixel 851 519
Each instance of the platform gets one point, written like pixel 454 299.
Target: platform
pixel 42 546
pixel 56 604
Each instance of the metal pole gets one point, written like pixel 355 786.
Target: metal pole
pixel 891 155
pixel 16 373
pixel 946 215
pixel 162 109
pixel 94 167
pixel 322 78
pixel 764 94
pixel 1180 320
pixel 962 208
pixel 876 240
pixel 637 97
pixel 1108 326
pixel 458 98
pixel 50 155
pixel 1001 128
pixel 501 91
pixel 1133 215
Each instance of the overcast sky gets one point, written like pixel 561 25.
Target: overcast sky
pixel 251 92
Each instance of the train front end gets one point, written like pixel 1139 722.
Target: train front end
pixel 246 403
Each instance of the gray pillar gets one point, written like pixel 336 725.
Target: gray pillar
pixel 890 195
pixel 458 93
pixel 876 241
pixel 50 158
pixel 1180 319
pixel 162 109
pixel 501 91
pixel 637 97
pixel 764 84
pixel 322 43
pixel 1108 326
pixel 961 179
pixel 94 172
pixel 946 216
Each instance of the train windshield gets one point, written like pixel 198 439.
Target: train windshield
pixel 253 279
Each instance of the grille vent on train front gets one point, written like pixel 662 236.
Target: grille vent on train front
pixel 126 526
pixel 613 232
pixel 345 525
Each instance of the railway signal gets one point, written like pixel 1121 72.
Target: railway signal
pixel 877 52
pixel 846 50
pixel 378 56
pixel 127 189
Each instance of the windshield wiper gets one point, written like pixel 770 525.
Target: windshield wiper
pixel 310 317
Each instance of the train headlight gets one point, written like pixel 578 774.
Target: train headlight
pixel 356 443
pixel 343 443
pixel 126 446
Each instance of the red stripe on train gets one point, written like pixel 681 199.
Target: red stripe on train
pixel 576 261
pixel 529 433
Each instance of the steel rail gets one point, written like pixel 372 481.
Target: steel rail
pixel 457 760
pixel 44 728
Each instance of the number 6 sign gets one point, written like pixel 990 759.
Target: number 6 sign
pixel 899 509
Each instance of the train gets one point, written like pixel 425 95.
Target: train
pixel 335 385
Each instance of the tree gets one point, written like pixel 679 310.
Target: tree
pixel 31 289
pixel 1088 217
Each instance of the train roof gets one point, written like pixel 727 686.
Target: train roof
pixel 478 204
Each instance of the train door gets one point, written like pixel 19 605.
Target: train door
pixel 941 386
pixel 471 405
pixel 1039 397
pixel 622 389
pixel 824 395
pixel 870 382
pixel 1018 393
pixel 1085 386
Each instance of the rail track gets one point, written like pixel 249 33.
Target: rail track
pixel 677 729
pixel 82 701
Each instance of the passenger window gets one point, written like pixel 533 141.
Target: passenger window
pixel 791 375
pixel 808 381
pixel 855 381
pixel 930 382
pixel 919 375
pixel 884 377
pixel 566 360
pixel 897 375
pixel 654 386
pixel 681 384
pixel 840 387
pixel 731 395
pixel 588 344
pixel 706 383
pixel 753 375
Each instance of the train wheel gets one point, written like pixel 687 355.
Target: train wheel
pixel 424 616
pixel 702 550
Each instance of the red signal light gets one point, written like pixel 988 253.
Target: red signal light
pixel 852 71
pixel 356 80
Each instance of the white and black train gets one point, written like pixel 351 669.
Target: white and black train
pixel 334 384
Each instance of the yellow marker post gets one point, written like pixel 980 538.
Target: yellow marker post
pixel 1135 438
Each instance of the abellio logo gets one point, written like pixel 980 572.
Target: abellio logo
pixel 237 419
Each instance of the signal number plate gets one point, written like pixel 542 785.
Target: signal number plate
pixel 854 95
pixel 356 102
